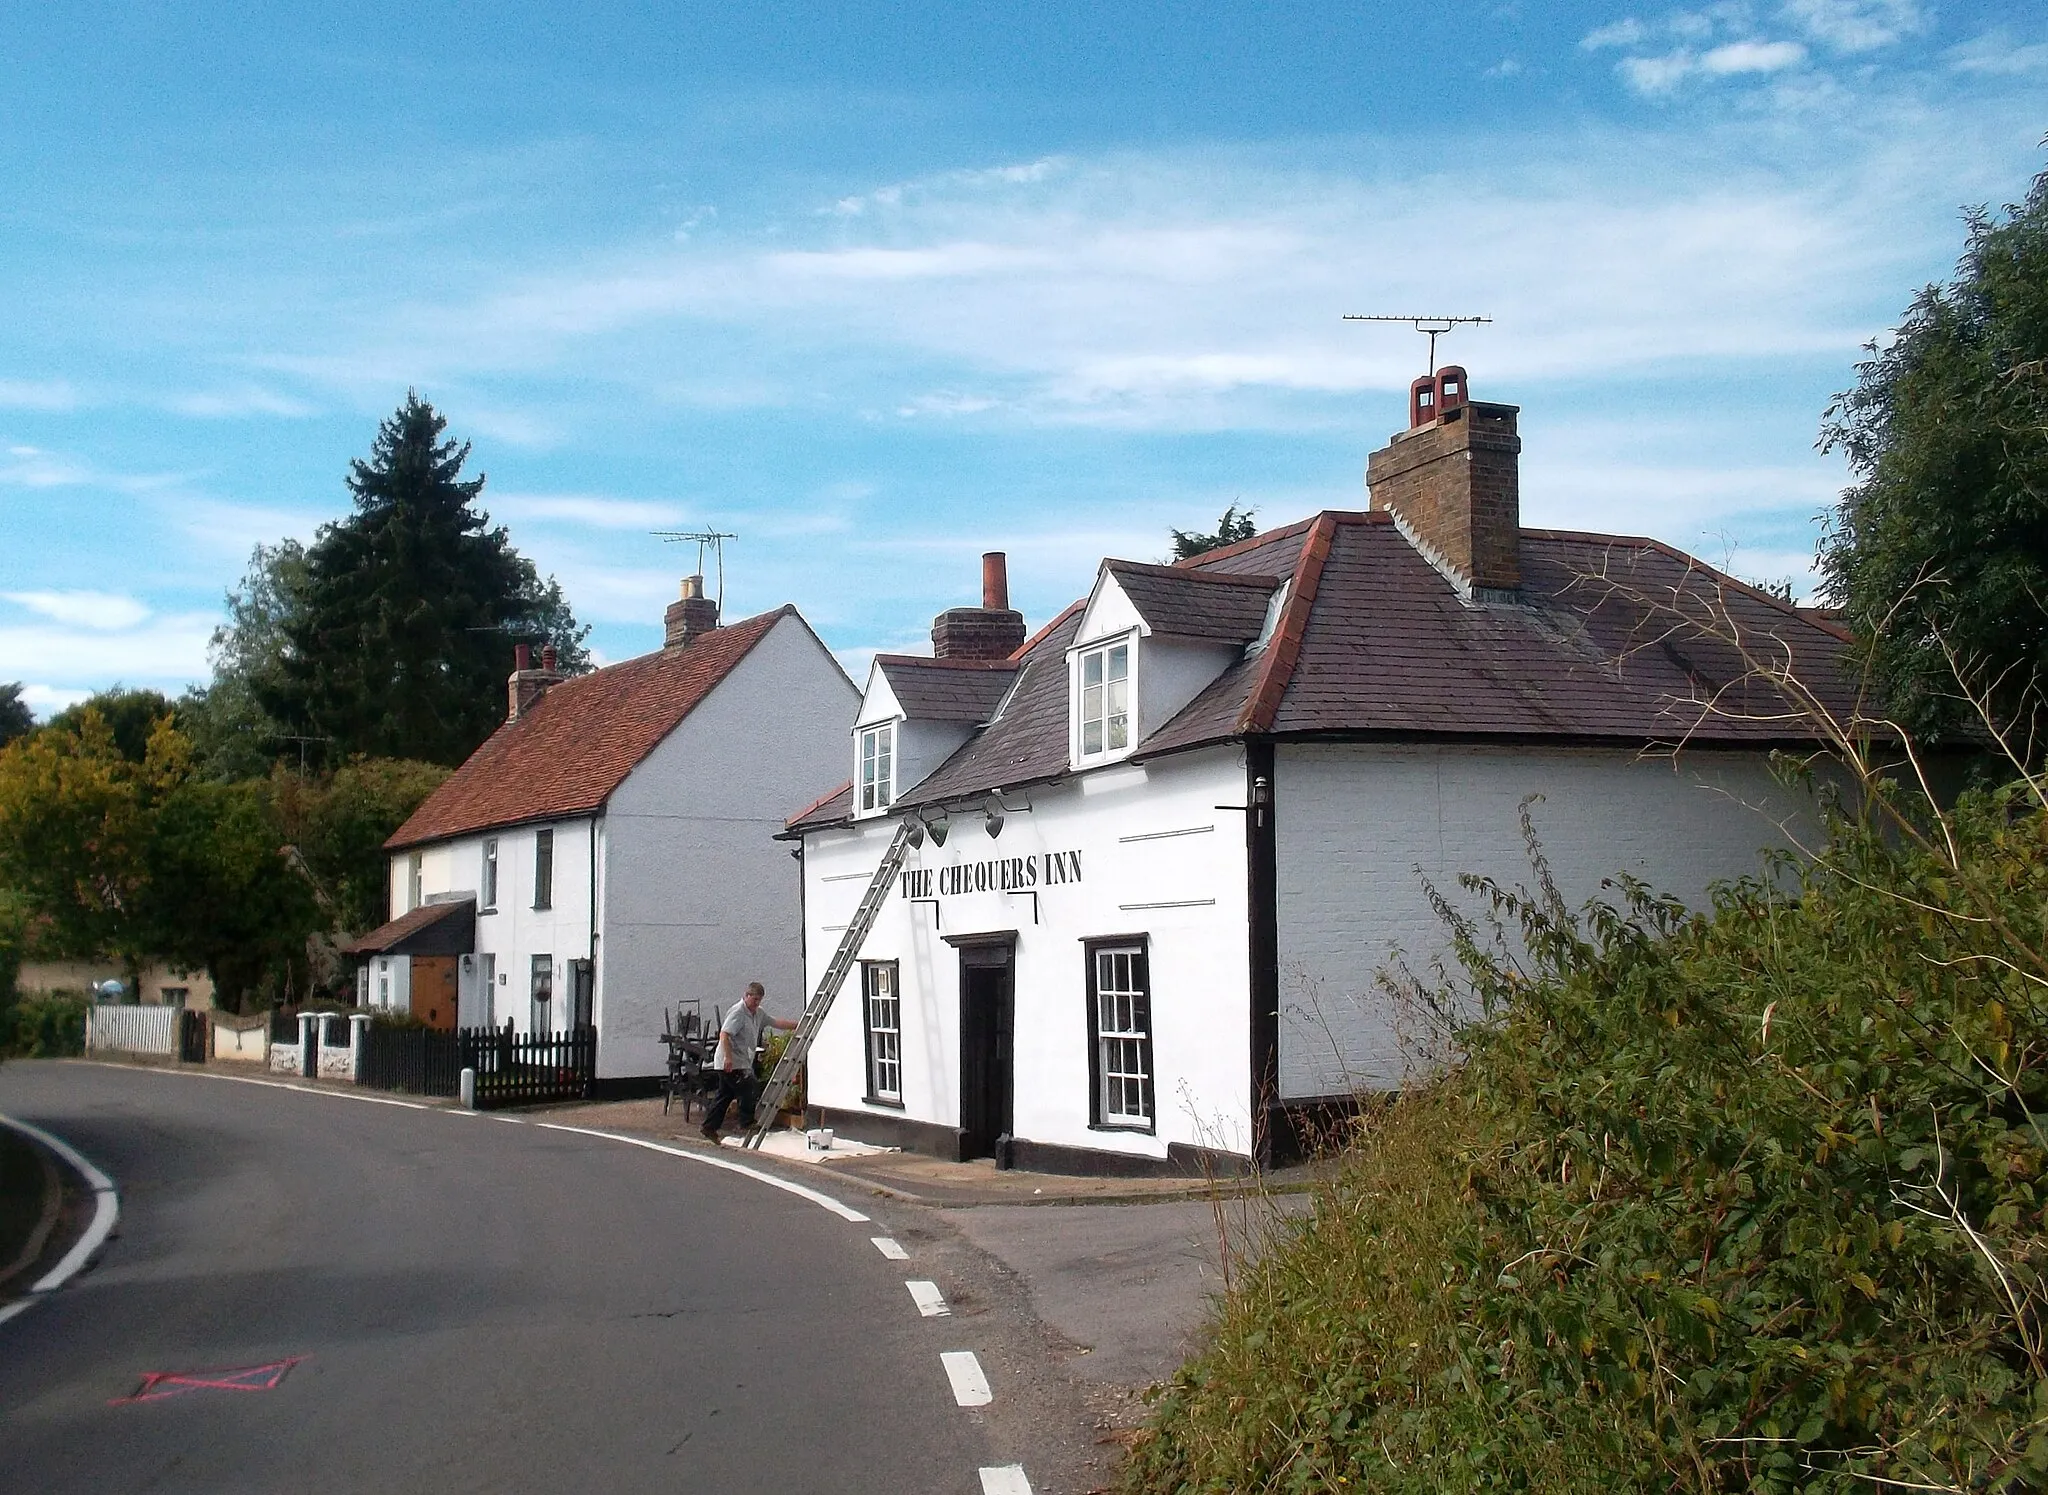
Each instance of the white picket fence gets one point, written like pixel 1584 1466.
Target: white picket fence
pixel 132 1030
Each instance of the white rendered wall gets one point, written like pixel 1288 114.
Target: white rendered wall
pixel 699 897
pixel 1199 957
pixel 516 931
pixel 1360 826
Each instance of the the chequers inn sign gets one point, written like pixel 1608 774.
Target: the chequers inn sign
pixel 996 875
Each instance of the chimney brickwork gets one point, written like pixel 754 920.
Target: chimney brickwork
pixel 527 684
pixel 691 616
pixel 995 630
pixel 1454 486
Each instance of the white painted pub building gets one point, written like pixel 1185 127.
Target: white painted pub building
pixel 609 852
pixel 1169 842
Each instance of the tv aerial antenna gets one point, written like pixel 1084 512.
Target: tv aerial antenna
pixel 707 539
pixel 1434 327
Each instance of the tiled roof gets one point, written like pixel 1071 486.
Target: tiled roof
pixel 1028 742
pixel 576 745
pixel 827 809
pixel 431 929
pixel 946 690
pixel 1606 643
pixel 1216 605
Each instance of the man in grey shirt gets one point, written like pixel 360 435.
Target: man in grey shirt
pixel 738 1038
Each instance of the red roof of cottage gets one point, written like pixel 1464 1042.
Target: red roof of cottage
pixel 576 745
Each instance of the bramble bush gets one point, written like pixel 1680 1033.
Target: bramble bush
pixel 1741 1200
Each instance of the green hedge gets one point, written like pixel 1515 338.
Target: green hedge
pixel 44 1026
pixel 1744 1202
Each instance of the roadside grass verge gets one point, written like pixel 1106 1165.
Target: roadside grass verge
pixel 1744 1200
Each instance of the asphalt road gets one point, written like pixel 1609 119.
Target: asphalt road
pixel 477 1306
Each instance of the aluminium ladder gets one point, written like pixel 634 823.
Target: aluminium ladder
pixel 806 1033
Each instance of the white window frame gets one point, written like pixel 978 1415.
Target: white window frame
pixel 488 904
pixel 415 880
pixel 1106 718
pixel 882 1018
pixel 874 778
pixel 1120 1033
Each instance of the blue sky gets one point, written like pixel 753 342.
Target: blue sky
pixel 879 287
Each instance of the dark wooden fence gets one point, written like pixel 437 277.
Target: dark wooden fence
pixel 417 1061
pixel 512 1068
pixel 284 1026
pixel 524 1069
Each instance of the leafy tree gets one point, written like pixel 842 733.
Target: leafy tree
pixel 76 817
pixel 1230 529
pixel 233 736
pixel 130 716
pixel 16 720
pixel 340 822
pixel 1942 545
pixel 402 641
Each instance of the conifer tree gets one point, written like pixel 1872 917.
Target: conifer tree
pixel 410 608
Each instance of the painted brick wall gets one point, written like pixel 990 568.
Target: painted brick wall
pixel 1360 826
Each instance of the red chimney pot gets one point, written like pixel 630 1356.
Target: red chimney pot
pixel 547 656
pixel 995 581
pixel 522 656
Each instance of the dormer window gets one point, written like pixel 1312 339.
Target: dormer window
pixel 877 780
pixel 1106 700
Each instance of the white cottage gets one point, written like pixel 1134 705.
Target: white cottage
pixel 609 851
pixel 1168 842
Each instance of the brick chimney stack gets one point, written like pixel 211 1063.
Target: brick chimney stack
pixel 693 616
pixel 1452 482
pixel 992 631
pixel 527 685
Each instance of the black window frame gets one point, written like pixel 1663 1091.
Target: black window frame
pixel 1141 946
pixel 544 868
pixel 872 1094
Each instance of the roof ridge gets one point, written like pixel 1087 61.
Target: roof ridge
pixel 1672 552
pixel 1276 669
pixel 1005 663
pixel 1222 578
pixel 451 798
pixel 1221 552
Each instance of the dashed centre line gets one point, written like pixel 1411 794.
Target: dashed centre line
pixel 1007 1479
pixel 970 1386
pixel 890 1249
pixel 930 1301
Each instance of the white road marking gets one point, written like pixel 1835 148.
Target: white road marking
pixel 930 1301
pixel 970 1386
pixel 1006 1480
pixel 890 1249
pixel 200 1074
pixel 823 1201
pixel 106 1210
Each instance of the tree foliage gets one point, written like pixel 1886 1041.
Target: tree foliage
pixel 141 858
pixel 16 720
pixel 1231 528
pixel 399 641
pixel 1941 547
pixel 1751 1201
pixel 233 735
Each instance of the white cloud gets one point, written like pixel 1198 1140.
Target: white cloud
pixel 236 404
pixel 170 651
pixel 1752 57
pixel 592 510
pixel 1996 54
pixel 38 394
pixel 47 700
pixel 1857 25
pixel 101 611
pixel 1627 32
pixel 1507 67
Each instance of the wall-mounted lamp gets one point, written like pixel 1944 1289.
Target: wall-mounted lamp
pixel 935 823
pixel 995 807
pixel 1262 799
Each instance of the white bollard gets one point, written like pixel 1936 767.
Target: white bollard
pixel 468 1089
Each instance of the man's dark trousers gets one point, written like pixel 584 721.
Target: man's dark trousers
pixel 734 1085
